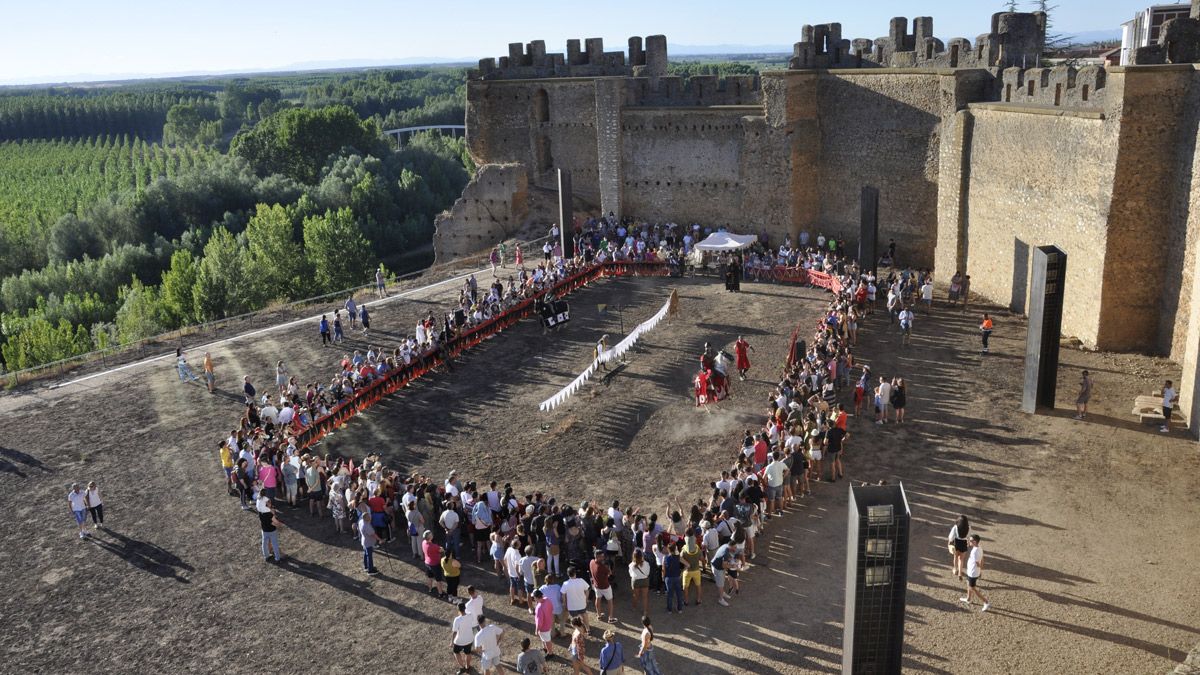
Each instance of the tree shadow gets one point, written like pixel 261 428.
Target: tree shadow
pixel 143 555
pixel 360 588
pixel 14 462
pixel 1018 568
pixel 1158 650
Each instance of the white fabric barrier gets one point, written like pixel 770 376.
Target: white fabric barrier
pixel 611 354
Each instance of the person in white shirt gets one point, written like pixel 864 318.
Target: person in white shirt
pixel 776 473
pixel 462 637
pixel 286 415
pixel 906 324
pixel 575 590
pixel 974 570
pixel 77 499
pixel 512 564
pixel 474 603
pixel 487 643
pixel 1169 398
pixel 927 294
pixel 95 505
pixel 269 413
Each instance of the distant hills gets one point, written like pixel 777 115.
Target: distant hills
pixel 675 50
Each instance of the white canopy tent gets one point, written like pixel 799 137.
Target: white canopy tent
pixel 726 241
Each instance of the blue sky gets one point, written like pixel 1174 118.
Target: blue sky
pixel 69 39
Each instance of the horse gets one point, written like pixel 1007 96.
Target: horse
pixel 712 385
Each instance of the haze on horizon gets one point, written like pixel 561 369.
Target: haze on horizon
pixel 73 41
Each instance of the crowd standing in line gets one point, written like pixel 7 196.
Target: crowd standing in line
pixel 555 557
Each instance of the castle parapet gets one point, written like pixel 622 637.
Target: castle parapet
pixel 529 61
pixel 1016 39
pixel 1063 86
pixel 698 90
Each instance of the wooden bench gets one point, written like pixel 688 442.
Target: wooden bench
pixel 1148 410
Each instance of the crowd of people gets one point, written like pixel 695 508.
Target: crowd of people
pixel 563 562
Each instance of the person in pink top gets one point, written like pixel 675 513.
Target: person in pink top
pixel 544 621
pixel 268 475
pixel 433 564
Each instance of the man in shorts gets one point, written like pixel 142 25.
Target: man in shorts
pixel 462 637
pixel 512 565
pixel 78 502
pixel 487 643
pixel 776 474
pixel 974 570
pixel 720 560
pixel 576 592
pixel 602 584
pixel 529 564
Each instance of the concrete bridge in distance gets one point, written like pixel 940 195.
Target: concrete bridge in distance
pixel 398 134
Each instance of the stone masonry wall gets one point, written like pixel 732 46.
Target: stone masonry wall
pixel 492 208
pixel 1019 162
pixel 881 128
pixel 1139 312
pixel 686 165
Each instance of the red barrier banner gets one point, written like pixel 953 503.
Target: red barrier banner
pixel 398 379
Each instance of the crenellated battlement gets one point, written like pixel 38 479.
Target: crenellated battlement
pixel 1063 86
pixel 697 90
pixel 1015 39
pixel 530 61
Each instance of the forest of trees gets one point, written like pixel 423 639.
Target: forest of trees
pixel 130 210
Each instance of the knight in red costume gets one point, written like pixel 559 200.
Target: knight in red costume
pixel 742 349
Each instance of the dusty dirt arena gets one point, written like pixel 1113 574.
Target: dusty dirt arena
pixel 1089 527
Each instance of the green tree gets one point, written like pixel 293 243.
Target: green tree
pixel 176 290
pixel 337 250
pixel 184 121
pixel 71 238
pixel 32 341
pixel 141 314
pixel 276 260
pixel 297 142
pixel 223 285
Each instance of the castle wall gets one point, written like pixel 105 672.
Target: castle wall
pixel 1145 253
pixel 1020 158
pixel 686 165
pixel 571 134
pixel 492 208
pixel 1186 216
pixel 881 128
pixel 543 124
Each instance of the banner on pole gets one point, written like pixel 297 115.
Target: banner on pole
pixel 611 354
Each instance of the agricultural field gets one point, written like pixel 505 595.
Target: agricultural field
pixel 44 179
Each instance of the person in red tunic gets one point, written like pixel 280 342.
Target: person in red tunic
pixel 742 349
pixel 702 387
pixel 520 257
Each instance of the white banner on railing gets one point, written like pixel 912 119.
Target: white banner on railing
pixel 608 355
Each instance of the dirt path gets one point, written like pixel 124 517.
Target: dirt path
pixel 1088 527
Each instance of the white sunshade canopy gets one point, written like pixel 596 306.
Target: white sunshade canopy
pixel 727 241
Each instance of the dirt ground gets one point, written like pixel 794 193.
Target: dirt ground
pixel 1089 527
